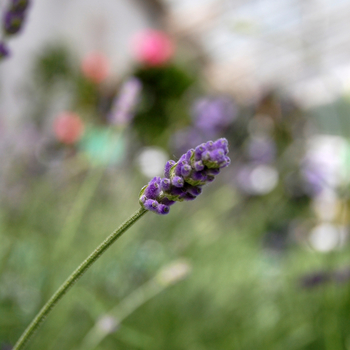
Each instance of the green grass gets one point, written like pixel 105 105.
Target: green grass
pixel 238 296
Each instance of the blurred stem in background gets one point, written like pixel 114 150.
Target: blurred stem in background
pixel 82 200
pixel 6 257
pixel 79 207
pixel 28 333
pixel 111 322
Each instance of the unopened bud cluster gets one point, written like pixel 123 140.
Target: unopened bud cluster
pixel 183 180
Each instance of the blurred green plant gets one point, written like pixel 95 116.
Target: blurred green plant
pixel 163 106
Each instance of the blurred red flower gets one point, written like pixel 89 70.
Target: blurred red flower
pixel 68 127
pixel 96 67
pixel 153 47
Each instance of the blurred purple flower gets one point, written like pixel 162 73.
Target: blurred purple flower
pixel 256 179
pixel 4 50
pixel 19 5
pixel 323 165
pixel 183 139
pixel 213 114
pixel 315 177
pixel 261 150
pixel 124 104
pixel 14 16
pixel 315 279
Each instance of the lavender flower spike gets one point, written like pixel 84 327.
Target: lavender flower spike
pixel 123 108
pixel 184 179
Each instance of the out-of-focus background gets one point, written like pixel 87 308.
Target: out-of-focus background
pixel 98 94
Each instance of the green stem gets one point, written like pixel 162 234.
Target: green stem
pixel 28 333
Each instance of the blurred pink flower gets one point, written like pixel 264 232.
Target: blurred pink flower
pixel 96 67
pixel 68 127
pixel 153 47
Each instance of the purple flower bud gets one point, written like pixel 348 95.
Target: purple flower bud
pixel 143 198
pixel 217 155
pixel 187 196
pixel 162 209
pixel 205 156
pixel 194 190
pixel 215 159
pixel 153 189
pixel 178 181
pixel 168 167
pixel 225 163
pixel 182 158
pixel 189 155
pixel 198 151
pixel 178 167
pixel 151 205
pixel 165 184
pixel 210 145
pixel 221 143
pixel 186 170
pixel 198 166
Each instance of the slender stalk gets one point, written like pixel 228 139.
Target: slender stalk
pixel 28 333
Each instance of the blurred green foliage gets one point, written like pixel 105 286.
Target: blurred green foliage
pixel 163 107
pixel 240 295
pixel 245 290
pixel 54 64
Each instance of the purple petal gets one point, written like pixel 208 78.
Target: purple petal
pixel 163 209
pixel 165 184
pixel 189 154
pixel 151 205
pixel 223 144
pixel 186 170
pixel 217 155
pixel 198 166
pixel 210 145
pixel 152 191
pixel 198 151
pixel 167 168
